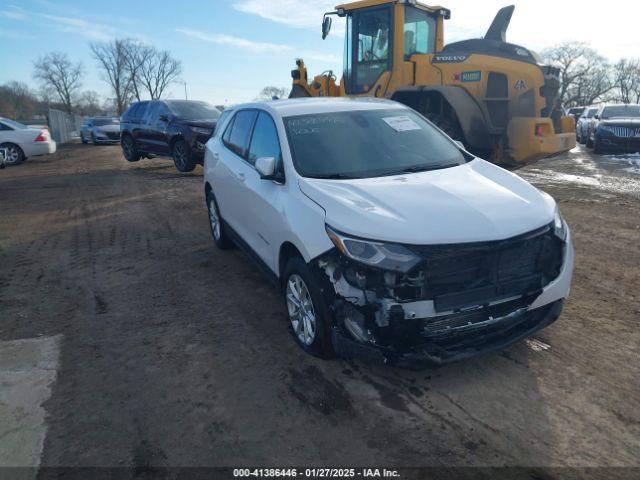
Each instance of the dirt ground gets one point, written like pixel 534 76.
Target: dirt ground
pixel 172 353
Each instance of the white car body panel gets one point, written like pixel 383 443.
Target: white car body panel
pixel 474 202
pixel 25 139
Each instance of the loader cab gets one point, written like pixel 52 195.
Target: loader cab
pixel 378 39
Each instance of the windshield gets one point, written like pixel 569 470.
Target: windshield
pixel 100 122
pixel 621 111
pixel 369 143
pixel 193 110
pixel 592 112
pixel 14 124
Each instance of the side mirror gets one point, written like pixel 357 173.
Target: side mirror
pixel 460 144
pixel 596 116
pixel 266 167
pixel 326 26
pixel 164 118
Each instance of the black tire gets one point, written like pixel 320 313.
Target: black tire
pixel 15 155
pixel 129 149
pixel 321 345
pixel 597 147
pixel 93 139
pixel 450 127
pixel 589 143
pixel 82 139
pixel 298 92
pixel 181 157
pixel 219 234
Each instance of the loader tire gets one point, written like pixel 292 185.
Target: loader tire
pixel 298 92
pixel 450 127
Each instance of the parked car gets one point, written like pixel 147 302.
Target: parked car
pixel 176 128
pixel 387 239
pixel 615 128
pixel 21 142
pixel 575 112
pixel 582 127
pixel 100 130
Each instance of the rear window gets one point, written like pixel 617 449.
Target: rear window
pixel 14 125
pixel 240 130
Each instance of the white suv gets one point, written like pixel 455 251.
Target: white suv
pixel 388 240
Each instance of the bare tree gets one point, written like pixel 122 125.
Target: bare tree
pixel 157 70
pixel 89 103
pixel 270 92
pixel 585 75
pixel 59 76
pixel 112 59
pixel 627 80
pixel 17 101
pixel 136 55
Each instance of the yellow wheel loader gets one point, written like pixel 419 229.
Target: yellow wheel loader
pixel 495 97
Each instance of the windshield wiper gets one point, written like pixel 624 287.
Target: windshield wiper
pixel 335 176
pixel 420 168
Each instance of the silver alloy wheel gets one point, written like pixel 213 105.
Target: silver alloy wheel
pixel 214 219
pixel 301 312
pixel 179 154
pixel 13 155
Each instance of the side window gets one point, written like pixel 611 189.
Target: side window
pixel 221 121
pixel 140 112
pixel 129 115
pixel 240 132
pixel 151 115
pixel 264 142
pixel 419 32
pixel 227 132
pixel 4 127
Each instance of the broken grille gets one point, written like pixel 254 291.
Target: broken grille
pixel 468 275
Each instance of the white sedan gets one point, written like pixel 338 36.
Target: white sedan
pixel 19 142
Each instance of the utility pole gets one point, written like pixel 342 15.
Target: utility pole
pixel 185 90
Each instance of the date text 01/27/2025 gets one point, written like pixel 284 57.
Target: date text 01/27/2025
pixel 315 472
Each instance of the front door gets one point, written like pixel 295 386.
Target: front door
pixel 368 49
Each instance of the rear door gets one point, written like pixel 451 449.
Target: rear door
pixel 232 170
pixel 136 126
pixel 156 136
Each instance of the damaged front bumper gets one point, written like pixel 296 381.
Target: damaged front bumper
pixel 501 295
pixel 494 334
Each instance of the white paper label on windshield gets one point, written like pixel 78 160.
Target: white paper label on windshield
pixel 401 123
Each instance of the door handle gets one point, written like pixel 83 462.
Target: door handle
pixel 216 155
pixel 240 177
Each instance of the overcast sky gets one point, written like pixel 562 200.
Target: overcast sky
pixel 230 49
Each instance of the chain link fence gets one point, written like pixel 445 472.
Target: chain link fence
pixel 63 126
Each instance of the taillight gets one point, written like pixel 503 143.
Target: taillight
pixel 42 136
pixel 539 130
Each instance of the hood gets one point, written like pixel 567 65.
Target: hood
pixel 108 128
pixel 622 121
pixel 474 202
pixel 201 123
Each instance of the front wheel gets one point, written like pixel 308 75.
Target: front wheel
pixel 129 149
pixel 597 147
pixel 181 157
pixel 307 311
pixel 82 139
pixel 14 154
pixel 589 142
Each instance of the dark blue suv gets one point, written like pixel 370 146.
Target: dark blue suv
pixel 172 128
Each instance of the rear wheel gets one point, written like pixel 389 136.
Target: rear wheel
pixel 84 140
pixel 129 149
pixel 298 92
pixel 181 157
pixel 93 139
pixel 14 154
pixel 307 311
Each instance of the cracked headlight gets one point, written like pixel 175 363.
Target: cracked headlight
pixel 386 256
pixel 559 225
